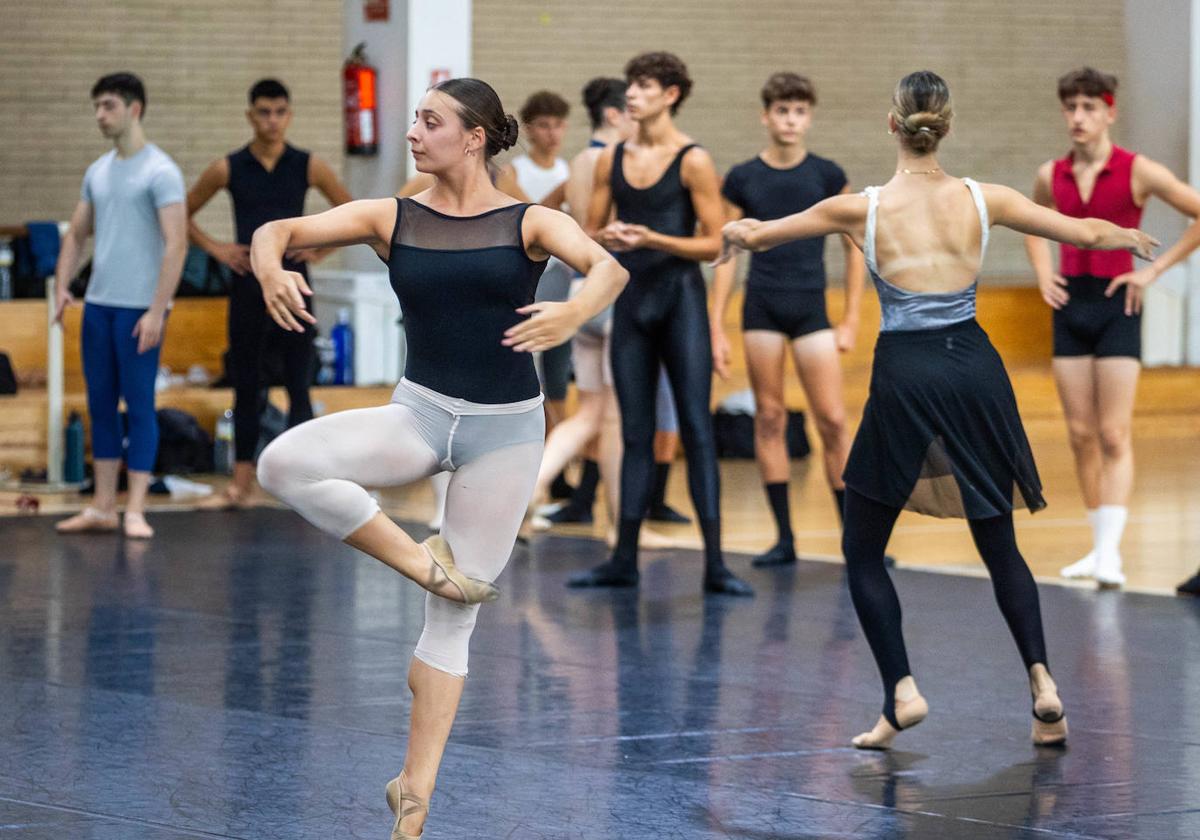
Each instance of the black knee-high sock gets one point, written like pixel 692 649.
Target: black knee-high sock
pixel 777 496
pixel 714 564
pixel 658 498
pixel 624 556
pixel 1013 584
pixel 865 537
pixel 584 496
pixel 839 499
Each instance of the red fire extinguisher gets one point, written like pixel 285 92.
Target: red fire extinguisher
pixel 360 107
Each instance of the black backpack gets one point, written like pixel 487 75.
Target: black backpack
pixel 183 446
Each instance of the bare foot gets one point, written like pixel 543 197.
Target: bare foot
pixel 88 519
pixel 136 526
pixel 911 709
pixel 231 498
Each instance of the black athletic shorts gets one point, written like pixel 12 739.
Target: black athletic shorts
pixel 1094 325
pixel 791 312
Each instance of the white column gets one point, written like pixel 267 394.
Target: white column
pixel 439 47
pixel 54 390
pixel 419 37
pixel 1192 337
pixel 1153 120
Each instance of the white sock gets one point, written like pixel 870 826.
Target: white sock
pixel 1110 527
pixel 1093 518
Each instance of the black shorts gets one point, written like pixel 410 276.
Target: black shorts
pixel 1094 325
pixel 791 312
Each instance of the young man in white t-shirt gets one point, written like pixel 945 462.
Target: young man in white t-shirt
pixel 133 202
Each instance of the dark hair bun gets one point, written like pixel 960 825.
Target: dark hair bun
pixel 595 92
pixel 508 136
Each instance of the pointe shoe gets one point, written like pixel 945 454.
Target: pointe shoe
pixel 909 713
pixel 87 520
pixel 1084 568
pixel 1049 719
pixel 136 527
pixel 396 797
pixel 1108 572
pixel 444 573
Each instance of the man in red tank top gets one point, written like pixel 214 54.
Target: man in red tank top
pixel 1097 301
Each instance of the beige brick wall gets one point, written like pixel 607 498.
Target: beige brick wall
pixel 1000 58
pixel 197 60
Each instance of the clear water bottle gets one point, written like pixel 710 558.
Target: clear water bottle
pixel 6 262
pixel 223 452
pixel 343 349
pixel 325 359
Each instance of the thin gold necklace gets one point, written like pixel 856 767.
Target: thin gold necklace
pixel 933 171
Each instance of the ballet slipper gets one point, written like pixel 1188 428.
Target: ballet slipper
pixel 136 526
pixel 911 709
pixel 396 797
pixel 1049 719
pixel 446 580
pixel 88 520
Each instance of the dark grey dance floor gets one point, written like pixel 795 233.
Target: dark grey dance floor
pixel 243 676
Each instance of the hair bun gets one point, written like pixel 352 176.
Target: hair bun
pixel 595 92
pixel 508 138
pixel 928 122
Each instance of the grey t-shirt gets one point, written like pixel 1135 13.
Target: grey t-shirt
pixel 126 195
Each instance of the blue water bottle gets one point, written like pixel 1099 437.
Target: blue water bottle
pixel 73 456
pixel 343 349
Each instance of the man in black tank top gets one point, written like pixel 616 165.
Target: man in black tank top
pixel 784 305
pixel 267 180
pixel 667 200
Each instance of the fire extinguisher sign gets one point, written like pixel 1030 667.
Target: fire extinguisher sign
pixel 438 74
pixel 376 11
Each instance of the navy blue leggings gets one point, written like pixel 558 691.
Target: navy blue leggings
pixel 113 370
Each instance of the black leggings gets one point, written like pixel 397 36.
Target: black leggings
pixel 665 318
pixel 868 526
pixel 251 332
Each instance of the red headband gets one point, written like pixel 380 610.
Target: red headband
pixel 1108 98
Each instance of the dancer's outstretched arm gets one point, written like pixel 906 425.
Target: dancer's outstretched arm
pixel 555 234
pixel 844 214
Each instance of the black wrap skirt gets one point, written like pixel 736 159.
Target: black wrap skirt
pixel 941 433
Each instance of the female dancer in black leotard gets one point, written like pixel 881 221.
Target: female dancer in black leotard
pixel 464 260
pixel 661 185
pixel 940 433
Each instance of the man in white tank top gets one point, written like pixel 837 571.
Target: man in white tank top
pixel 542 175
pixel 543 125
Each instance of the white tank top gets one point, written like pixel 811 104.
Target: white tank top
pixel 536 182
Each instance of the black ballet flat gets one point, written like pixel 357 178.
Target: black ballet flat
pixel 666 513
pixel 727 583
pixel 778 555
pixel 560 488
pixel 1191 586
pixel 567 513
pixel 604 576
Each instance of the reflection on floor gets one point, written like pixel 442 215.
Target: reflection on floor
pixel 243 676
